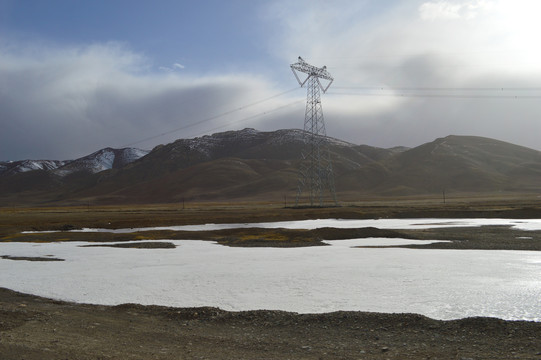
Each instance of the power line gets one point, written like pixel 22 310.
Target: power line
pixel 442 92
pixel 369 91
pixel 451 96
pixel 390 88
pixel 229 112
pixel 251 117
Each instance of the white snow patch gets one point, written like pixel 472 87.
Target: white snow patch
pixel 131 154
pixel 441 284
pixel 104 160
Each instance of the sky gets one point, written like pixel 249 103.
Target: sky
pixel 78 76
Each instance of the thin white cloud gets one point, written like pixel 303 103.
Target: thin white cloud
pixel 173 68
pixel 442 9
pixel 165 69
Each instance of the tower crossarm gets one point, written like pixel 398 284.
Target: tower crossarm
pixel 311 71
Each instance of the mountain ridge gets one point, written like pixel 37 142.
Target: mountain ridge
pixel 250 165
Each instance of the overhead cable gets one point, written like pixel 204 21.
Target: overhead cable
pixel 229 112
pixel 402 93
pixel 410 88
pixel 252 117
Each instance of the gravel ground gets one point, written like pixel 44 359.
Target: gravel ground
pixel 38 328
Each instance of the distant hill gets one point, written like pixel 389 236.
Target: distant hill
pixel 464 163
pixel 250 164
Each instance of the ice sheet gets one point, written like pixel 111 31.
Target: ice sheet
pixel 442 284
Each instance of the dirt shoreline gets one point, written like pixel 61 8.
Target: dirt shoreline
pixel 32 327
pixel 37 328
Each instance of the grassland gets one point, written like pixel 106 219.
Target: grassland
pixel 13 221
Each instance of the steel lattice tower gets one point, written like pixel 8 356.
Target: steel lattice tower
pixel 316 172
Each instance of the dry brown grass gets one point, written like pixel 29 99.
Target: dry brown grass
pixel 61 219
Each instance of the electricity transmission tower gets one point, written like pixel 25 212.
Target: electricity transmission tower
pixel 316 168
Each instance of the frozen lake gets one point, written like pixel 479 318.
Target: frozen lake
pixel 441 284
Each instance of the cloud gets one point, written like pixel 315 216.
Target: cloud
pixel 434 10
pixel 175 67
pixel 66 102
pixel 392 63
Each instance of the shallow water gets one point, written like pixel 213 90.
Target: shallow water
pixel 442 284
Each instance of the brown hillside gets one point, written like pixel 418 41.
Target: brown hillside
pixel 248 165
pixel 464 163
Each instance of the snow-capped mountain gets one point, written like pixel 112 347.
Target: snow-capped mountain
pixel 21 166
pixel 104 159
pixel 100 160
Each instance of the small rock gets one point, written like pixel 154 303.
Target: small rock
pixel 384 349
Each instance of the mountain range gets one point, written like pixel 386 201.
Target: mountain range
pixel 255 165
pixel 100 160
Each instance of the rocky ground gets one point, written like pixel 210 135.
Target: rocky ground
pixel 42 329
pixel 38 328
